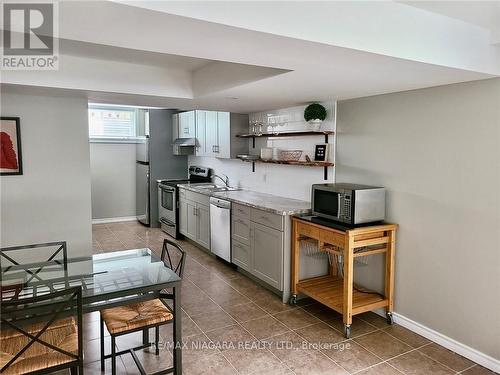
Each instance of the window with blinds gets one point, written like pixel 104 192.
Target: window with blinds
pixel 115 123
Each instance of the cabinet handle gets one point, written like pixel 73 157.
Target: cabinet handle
pixel 194 211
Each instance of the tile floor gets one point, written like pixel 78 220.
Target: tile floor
pixel 222 310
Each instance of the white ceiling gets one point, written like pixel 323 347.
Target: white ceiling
pixel 485 14
pixel 132 56
pixel 150 57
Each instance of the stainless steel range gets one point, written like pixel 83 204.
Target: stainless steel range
pixel 168 198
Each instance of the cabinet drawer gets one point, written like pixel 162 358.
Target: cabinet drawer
pixel 197 197
pixel 308 230
pixel 266 218
pixel 241 229
pixel 240 210
pixel 332 238
pixel 241 255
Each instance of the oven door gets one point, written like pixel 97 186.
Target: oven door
pixel 327 203
pixel 167 204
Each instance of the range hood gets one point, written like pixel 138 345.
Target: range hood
pixel 184 146
pixel 185 142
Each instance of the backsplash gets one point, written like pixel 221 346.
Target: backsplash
pixel 285 180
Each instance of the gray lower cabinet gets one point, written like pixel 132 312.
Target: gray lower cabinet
pixel 241 255
pixel 258 243
pixel 267 254
pixel 203 237
pixel 194 221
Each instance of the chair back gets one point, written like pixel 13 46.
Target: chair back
pixel 42 332
pixel 174 259
pixel 31 261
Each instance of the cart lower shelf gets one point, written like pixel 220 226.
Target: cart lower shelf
pixel 329 290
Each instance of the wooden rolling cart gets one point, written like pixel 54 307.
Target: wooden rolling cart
pixel 337 290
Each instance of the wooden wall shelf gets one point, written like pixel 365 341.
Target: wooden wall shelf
pixel 326 133
pixel 303 163
pixel 324 164
pixel 285 134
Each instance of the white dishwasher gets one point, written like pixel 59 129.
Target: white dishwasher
pixel 220 228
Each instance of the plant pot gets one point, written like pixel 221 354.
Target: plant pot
pixel 315 124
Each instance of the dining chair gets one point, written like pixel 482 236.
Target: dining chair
pixel 42 334
pixel 141 316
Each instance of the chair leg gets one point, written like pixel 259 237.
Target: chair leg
pixel 80 369
pixel 113 355
pixel 157 340
pixel 102 344
pixel 73 370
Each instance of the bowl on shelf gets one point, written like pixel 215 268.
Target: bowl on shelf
pixel 248 157
pixel 290 155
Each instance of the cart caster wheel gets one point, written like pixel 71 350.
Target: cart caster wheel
pixel 389 318
pixel 293 300
pixel 347 331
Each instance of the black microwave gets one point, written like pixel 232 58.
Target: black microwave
pixel 350 204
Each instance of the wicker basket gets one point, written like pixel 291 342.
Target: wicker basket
pixel 290 155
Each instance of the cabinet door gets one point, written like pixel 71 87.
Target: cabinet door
pixel 175 125
pixel 192 221
pixel 267 254
pixel 203 214
pixel 211 133
pixel 241 229
pixel 201 137
pixel 183 217
pixel 241 255
pixel 223 149
pixel 187 127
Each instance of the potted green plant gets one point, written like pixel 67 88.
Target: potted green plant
pixel 315 114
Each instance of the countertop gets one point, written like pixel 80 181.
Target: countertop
pixel 262 201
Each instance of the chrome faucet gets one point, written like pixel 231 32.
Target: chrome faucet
pixel 225 180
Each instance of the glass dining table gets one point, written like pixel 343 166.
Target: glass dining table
pixel 107 280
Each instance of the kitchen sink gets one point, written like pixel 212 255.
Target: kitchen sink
pixel 224 188
pixel 212 188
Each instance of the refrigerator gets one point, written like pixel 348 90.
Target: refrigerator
pixel 142 183
pixel 155 161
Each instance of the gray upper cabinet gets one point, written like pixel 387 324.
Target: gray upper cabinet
pixel 215 132
pixel 267 253
pixel 187 124
pixel 211 134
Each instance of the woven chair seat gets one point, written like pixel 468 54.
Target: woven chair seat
pixel 135 316
pixel 62 334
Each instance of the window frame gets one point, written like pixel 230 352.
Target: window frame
pixel 108 139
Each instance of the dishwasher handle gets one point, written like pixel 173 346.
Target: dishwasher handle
pixel 220 203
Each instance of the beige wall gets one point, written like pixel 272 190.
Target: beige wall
pixel 437 151
pixel 112 168
pixel 51 200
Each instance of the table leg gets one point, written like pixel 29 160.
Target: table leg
pixel 177 331
pixel 389 274
pixel 348 283
pixel 295 258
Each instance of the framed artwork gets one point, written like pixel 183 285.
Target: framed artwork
pixel 11 162
pixel 320 152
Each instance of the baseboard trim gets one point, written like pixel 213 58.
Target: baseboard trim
pixel 113 219
pixel 449 343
